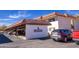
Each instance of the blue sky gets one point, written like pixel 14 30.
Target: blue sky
pixel 8 17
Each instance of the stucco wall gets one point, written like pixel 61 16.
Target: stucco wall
pixel 31 34
pixel 76 24
pixel 54 25
pixel 60 23
pixel 64 23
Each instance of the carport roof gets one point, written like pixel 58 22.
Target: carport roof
pixel 30 22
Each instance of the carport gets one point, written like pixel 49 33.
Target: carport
pixel 30 28
pixel 17 29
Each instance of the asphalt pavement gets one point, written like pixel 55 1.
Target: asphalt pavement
pixel 10 41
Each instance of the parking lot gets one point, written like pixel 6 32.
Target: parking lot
pixel 36 43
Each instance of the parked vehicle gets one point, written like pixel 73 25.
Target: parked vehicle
pixel 10 33
pixel 75 36
pixel 61 35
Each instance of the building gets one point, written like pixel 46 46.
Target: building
pixel 75 23
pixel 59 21
pixel 30 28
pixel 44 25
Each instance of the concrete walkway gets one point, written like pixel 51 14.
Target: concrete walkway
pixel 13 37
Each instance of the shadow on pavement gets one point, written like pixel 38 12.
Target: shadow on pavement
pixel 43 38
pixel 67 42
pixel 4 39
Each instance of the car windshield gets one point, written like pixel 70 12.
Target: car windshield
pixel 65 31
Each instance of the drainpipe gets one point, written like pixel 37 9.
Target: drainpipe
pixel 72 24
pixel 16 31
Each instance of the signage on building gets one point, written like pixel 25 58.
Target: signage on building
pixel 38 30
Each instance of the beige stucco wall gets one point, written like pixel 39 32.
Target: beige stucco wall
pixel 76 24
pixel 60 23
pixel 64 23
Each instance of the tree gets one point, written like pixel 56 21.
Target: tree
pixel 77 15
pixel 3 27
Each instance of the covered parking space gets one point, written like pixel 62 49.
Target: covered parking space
pixel 16 29
pixel 30 28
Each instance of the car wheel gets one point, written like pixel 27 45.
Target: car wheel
pixel 70 39
pixel 56 39
pixel 65 39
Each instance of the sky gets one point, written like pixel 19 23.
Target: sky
pixel 8 17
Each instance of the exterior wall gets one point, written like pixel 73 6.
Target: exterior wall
pixel 54 25
pixel 64 23
pixel 76 24
pixel 31 34
pixel 60 23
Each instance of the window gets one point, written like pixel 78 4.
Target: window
pixel 53 19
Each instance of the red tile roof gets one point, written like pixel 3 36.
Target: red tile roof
pixel 28 21
pixel 52 15
pixel 36 22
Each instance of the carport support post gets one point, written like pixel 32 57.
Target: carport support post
pixel 26 31
pixel 17 32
